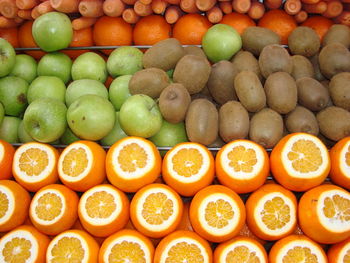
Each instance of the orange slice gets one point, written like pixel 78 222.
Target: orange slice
pixel 217 213
pixel 103 210
pixel 188 167
pixel 127 246
pixel 23 244
pixel 340 163
pixel 132 163
pixel 339 252
pixel 183 246
pixel 54 209
pixel 35 165
pixel 72 246
pixel 156 210
pixel 271 212
pixel 297 248
pixel 324 214
pixel 7 152
pixel 242 165
pixel 300 161
pixel 82 165
pixel 240 250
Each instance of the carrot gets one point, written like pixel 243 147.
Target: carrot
pixel 83 22
pixel 189 6
pixel 25 14
pixel 91 8
pixel 142 9
pixel 205 5
pixel 113 8
pixel 26 4
pixel 45 7
pixel 317 8
pixel 301 16
pixel 65 6
pixel 334 8
pixel 292 7
pixel 214 15
pixel 35 13
pixel 226 7
pixel 173 2
pixel 7 22
pixel 256 11
pixel 343 18
pixel 310 1
pixel 241 6
pixel 8 8
pixel 129 2
pixel 146 2
pixel 159 6
pixel 129 15
pixel 273 4
pixel 172 14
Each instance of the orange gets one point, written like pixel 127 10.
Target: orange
pixel 54 209
pixel 190 29
pixel 35 165
pixel 340 163
pixel 25 39
pixel 271 212
pixel 103 210
pixel 126 246
pixel 7 152
pixel 324 214
pixel 15 201
pixel 217 213
pixel 188 167
pixel 78 226
pixel 132 163
pixel 156 210
pixel 240 250
pixel 81 38
pixel 151 29
pixel 81 165
pixel 238 21
pixel 297 248
pixel 320 24
pixel 72 246
pixel 185 223
pixel 23 244
pixel 300 161
pixel 280 22
pixel 242 165
pixel 155 241
pixel 339 252
pixel 11 35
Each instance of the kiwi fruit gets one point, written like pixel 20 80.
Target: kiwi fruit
pixel 337 34
pixel 202 122
pixel 333 59
pixel 193 72
pixel 254 39
pixel 245 60
pixel 281 92
pixel 302 120
pixel 314 61
pixel 194 50
pixel 312 94
pixel 250 91
pixel 302 67
pixel 275 58
pixel 221 81
pixel 339 89
pixel 173 103
pixel 150 81
pixel 164 54
pixel 266 128
pixel 304 41
pixel 233 121
pixel 334 123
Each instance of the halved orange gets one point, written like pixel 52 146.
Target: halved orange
pixel 297 248
pixel 35 165
pixel 240 250
pixel 72 246
pixel 127 246
pixel 82 165
pixel 156 210
pixel 7 152
pixel 340 163
pixel 217 213
pixel 242 165
pixel 188 167
pixel 23 244
pixel 339 252
pixel 103 210
pixel 271 212
pixel 300 161
pixel 132 163
pixel 324 214
pixel 54 209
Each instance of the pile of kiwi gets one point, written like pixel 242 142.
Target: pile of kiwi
pixel 264 92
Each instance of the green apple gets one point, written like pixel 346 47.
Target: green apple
pixel 140 116
pixel 82 87
pixel 9 129
pixel 115 134
pixel 23 135
pixel 7 57
pixel 91 117
pixel 170 134
pixel 119 91
pixel 25 68
pixel 52 31
pixel 68 137
pixel 45 119
pixel 13 95
pixel 89 66
pixel 46 87
pixel 221 42
pixel 56 64
pixel 2 113
pixel 124 61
